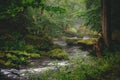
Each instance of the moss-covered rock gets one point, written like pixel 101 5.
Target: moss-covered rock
pixel 87 41
pixel 58 54
pixel 84 44
pixel 34 55
pixel 76 41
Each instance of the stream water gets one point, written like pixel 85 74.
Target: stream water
pixel 45 65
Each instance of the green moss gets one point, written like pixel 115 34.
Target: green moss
pixel 90 41
pixel 34 55
pixel 58 54
pixel 87 41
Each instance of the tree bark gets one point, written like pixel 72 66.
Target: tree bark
pixel 106 21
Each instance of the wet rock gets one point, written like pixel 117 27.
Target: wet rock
pixel 23 74
pixel 10 73
pixel 86 37
pixel 60 43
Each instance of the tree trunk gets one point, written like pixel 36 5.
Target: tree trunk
pixel 106 21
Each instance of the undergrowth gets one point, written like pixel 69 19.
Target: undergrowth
pixel 105 68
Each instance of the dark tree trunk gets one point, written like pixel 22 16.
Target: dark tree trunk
pixel 106 21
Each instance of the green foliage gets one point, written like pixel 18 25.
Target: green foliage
pixel 58 54
pixel 28 15
pixel 11 8
pixel 54 17
pixel 16 58
pixel 42 23
pixel 106 68
pixel 84 31
pixel 41 16
pixel 12 41
pixel 31 43
pixel 45 43
pixel 39 43
pixel 55 9
pixel 13 58
pixel 91 15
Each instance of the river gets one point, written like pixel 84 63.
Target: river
pixel 23 74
